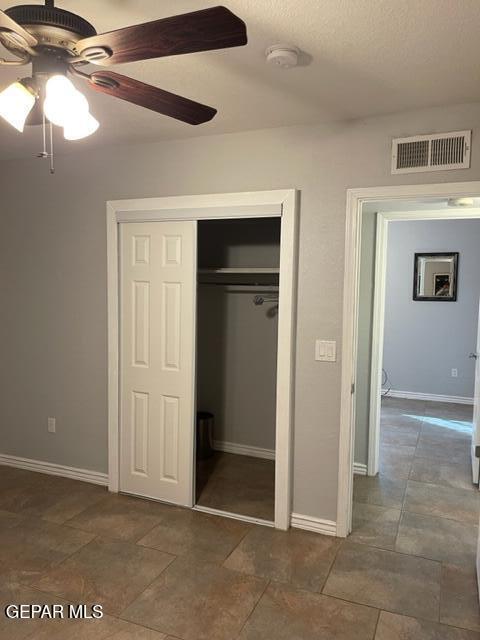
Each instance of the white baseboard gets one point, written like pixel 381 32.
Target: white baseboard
pixel 325 527
pixel 360 469
pixel 94 477
pixel 244 450
pixel 431 397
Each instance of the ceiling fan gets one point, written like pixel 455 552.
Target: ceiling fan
pixel 58 43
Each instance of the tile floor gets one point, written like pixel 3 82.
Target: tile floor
pixel 237 484
pixel 166 573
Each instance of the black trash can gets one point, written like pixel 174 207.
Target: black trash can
pixel 204 435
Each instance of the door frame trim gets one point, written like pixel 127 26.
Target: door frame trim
pixel 256 204
pixel 356 198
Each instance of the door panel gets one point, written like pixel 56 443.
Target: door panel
pixel 157 343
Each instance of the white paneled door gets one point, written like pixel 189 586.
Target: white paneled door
pixel 157 363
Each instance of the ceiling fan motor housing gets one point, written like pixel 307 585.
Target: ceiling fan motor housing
pixel 51 26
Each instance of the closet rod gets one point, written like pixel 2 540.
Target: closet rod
pixel 238 284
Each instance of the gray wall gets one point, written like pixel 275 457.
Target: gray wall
pixel 237 364
pixel 424 341
pixel 53 272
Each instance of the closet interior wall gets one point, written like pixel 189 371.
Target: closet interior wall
pixel 236 339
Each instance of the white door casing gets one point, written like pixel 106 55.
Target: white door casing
pixel 157 347
pixel 251 204
pixel 356 198
pixel 476 408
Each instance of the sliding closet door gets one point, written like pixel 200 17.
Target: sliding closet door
pixel 157 329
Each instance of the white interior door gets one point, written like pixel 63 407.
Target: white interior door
pixel 476 408
pixel 157 359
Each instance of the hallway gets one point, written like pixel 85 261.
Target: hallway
pixel 423 502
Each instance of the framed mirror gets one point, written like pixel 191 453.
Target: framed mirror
pixel 435 277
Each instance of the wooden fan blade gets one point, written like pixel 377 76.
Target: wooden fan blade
pixel 145 95
pixel 215 28
pixel 13 29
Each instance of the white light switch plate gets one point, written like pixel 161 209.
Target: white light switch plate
pixel 326 350
pixel 52 425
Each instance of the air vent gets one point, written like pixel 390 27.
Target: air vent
pixel 436 152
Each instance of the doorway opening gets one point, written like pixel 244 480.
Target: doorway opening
pixel 413 437
pixel 237 337
pixel 426 422
pixel 402 431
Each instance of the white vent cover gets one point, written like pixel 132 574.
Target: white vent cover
pixel 436 152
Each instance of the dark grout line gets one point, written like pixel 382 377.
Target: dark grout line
pixel 376 624
pixel 249 529
pixel 139 595
pixel 255 607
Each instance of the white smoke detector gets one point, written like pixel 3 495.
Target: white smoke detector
pixel 282 55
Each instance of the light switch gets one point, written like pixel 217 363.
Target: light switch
pixel 52 425
pixel 326 350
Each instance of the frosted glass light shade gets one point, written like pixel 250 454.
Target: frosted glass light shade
pixel 16 102
pixel 80 127
pixel 63 102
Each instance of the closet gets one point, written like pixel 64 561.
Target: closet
pixel 194 413
pixel 237 333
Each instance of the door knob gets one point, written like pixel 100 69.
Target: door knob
pixel 473 355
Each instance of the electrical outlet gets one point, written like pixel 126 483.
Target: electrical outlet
pixel 454 373
pixel 52 425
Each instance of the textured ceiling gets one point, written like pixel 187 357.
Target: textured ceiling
pixel 361 58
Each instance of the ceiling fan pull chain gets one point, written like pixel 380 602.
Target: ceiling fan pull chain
pixel 45 153
pixel 51 156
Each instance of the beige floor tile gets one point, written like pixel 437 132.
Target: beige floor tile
pixel 386 580
pixel 105 572
pixel 120 517
pixel 394 627
pixel 395 461
pixel 381 490
pixel 402 419
pixel 233 497
pixel 399 435
pixel 106 628
pixel 286 614
pixel 9 519
pixel 182 531
pixel 449 410
pixel 374 525
pixel 445 502
pixel 404 405
pixel 439 430
pixel 16 485
pixel 300 558
pixel 437 538
pixel 432 471
pixel 437 444
pixel 459 597
pixel 237 484
pixel 196 600
pixel 32 546
pixel 13 592
pixel 59 499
